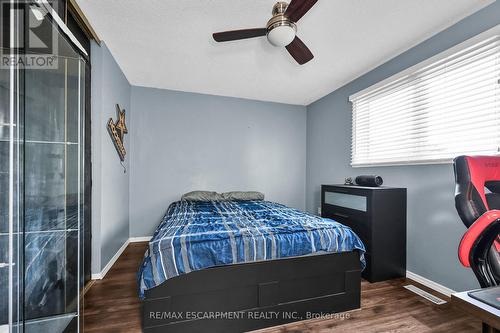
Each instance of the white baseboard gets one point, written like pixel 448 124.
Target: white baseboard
pixel 430 284
pixel 139 239
pixel 102 274
pixel 104 271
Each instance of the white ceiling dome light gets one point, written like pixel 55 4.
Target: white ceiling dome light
pixel 282 35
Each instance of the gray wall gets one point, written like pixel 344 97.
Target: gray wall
pixel 110 188
pixel 184 141
pixel 434 228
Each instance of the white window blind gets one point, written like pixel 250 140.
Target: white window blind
pixel 443 108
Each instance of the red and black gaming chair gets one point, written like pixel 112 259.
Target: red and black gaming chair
pixel 477 199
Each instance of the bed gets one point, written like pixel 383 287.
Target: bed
pixel 234 266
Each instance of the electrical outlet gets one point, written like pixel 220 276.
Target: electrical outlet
pixel 319 210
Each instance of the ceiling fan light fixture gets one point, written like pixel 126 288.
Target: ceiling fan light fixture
pixel 281 35
pixel 281 29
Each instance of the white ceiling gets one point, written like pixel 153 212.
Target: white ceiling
pixel 168 44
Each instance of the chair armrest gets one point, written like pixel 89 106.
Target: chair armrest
pixel 472 234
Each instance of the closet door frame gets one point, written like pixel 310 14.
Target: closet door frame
pixel 73 21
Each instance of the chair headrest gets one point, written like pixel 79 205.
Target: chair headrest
pixel 472 175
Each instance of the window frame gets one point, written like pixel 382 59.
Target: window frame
pixel 408 72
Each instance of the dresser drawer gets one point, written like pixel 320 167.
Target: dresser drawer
pixel 358 224
pixel 350 201
pixel 352 204
pixel 343 213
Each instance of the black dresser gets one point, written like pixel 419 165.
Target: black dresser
pixel 378 216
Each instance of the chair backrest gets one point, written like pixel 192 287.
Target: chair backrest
pixel 477 188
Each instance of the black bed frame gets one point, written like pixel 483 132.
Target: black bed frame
pixel 244 297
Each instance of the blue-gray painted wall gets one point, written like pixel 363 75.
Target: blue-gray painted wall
pixel 110 190
pixel 185 141
pixel 434 228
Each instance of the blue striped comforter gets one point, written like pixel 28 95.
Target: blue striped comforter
pixel 198 235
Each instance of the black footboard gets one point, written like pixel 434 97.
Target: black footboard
pixel 243 297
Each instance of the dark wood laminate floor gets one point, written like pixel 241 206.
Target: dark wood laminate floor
pixel 111 305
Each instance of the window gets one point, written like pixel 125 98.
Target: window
pixel 437 110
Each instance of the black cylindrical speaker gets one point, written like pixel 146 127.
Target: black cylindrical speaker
pixel 372 181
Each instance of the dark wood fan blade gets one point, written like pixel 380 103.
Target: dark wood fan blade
pixel 298 8
pixel 299 51
pixel 226 36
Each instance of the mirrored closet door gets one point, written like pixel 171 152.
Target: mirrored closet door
pixel 41 177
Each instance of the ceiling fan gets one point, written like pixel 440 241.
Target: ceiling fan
pixel 281 29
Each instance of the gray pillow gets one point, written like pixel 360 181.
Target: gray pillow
pixel 242 195
pixel 202 196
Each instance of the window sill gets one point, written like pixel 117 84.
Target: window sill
pixel 407 163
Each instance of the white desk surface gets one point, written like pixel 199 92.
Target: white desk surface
pixel 483 311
